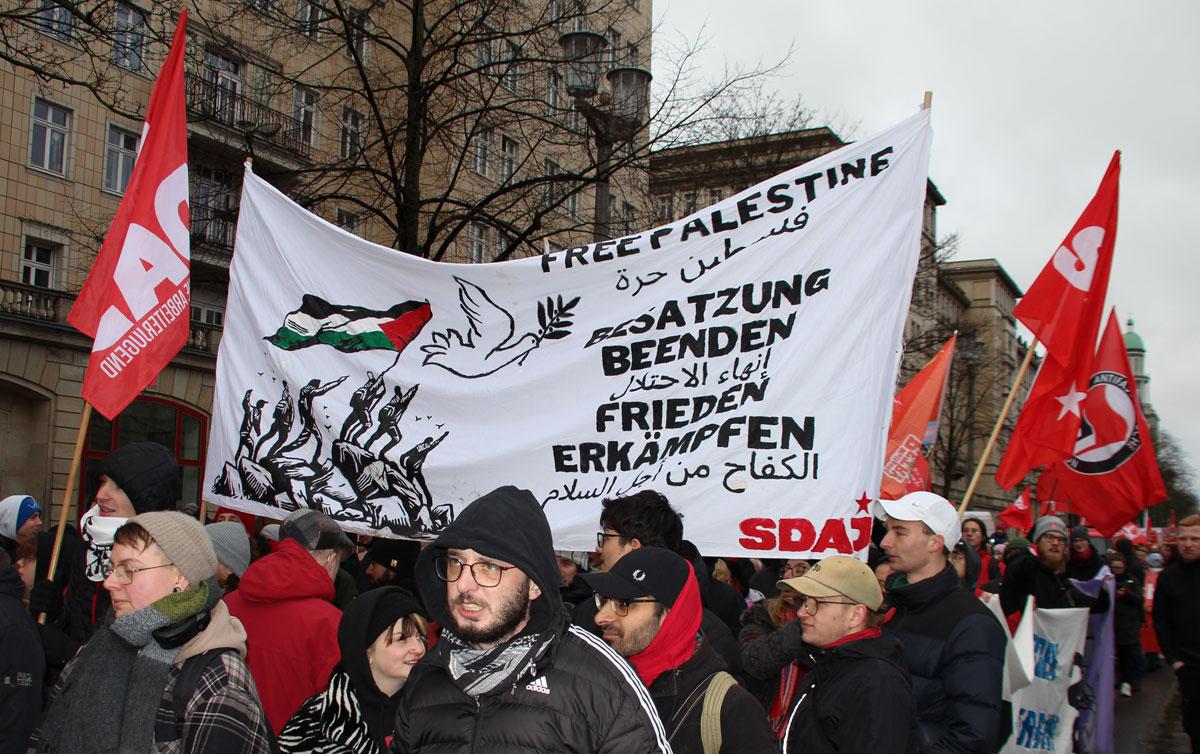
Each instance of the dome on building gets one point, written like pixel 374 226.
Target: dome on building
pixel 1133 341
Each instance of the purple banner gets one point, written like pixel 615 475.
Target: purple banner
pixel 1094 727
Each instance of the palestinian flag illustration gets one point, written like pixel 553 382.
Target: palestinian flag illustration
pixel 350 328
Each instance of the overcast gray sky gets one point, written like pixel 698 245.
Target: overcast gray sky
pixel 1029 101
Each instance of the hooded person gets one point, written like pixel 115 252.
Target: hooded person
pixel 20 520
pixel 140 477
pixel 168 673
pixel 381 637
pixel 509 671
pixel 649 610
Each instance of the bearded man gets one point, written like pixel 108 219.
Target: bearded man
pixel 509 671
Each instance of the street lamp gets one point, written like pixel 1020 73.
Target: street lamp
pixel 623 110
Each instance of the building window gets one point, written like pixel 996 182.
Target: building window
pixel 223 84
pixel 262 6
pixel 481 153
pixel 308 15
pixel 666 208
pixel 119 156
pixel 503 241
pixel 213 200
pixel 55 18
pixel 37 263
pixel 715 195
pixel 510 79
pixel 304 114
pixel 573 206
pixel 508 159
pixel 626 218
pixel 205 314
pixel 129 39
pixel 483 48
pixel 615 47
pixel 351 133
pixel 348 221
pixel 633 55
pixel 552 190
pixel 554 93
pixel 579 17
pixel 477 238
pixel 360 25
pixel 689 202
pixel 51 124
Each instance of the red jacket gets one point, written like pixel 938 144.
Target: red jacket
pixel 284 600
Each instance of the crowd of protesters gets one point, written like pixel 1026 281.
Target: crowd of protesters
pixel 163 634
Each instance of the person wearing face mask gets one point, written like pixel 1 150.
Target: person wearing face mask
pixel 381 636
pixel 168 674
pixel 140 477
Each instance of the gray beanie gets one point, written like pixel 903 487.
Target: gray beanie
pixel 1047 524
pixel 230 543
pixel 182 539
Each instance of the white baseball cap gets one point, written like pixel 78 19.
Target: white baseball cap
pixel 934 511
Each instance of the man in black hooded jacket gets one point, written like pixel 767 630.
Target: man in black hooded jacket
pixel 509 672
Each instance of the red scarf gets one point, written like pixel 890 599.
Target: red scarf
pixel 676 640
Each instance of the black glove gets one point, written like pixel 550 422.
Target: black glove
pixel 45 597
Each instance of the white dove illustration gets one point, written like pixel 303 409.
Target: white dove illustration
pixel 488 346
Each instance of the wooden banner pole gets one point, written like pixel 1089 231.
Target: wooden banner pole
pixel 76 461
pixel 987 449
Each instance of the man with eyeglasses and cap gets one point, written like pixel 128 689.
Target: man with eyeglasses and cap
pixel 509 671
pixel 648 609
pixel 857 695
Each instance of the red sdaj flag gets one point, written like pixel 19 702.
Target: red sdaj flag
pixel 1019 515
pixel 915 422
pixel 918 476
pixel 1113 472
pixel 1063 309
pixel 135 303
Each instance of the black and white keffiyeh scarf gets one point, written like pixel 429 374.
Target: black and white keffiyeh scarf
pixel 98 532
pixel 478 671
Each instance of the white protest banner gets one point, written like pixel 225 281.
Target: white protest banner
pixel 1042 718
pixel 741 360
pixel 1016 669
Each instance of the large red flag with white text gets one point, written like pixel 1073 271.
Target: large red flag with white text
pixel 1113 473
pixel 135 303
pixel 1063 309
pixel 915 422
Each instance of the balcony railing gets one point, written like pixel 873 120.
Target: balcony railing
pixel 221 104
pixel 212 225
pixel 29 302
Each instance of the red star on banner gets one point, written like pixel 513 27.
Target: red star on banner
pixel 864 503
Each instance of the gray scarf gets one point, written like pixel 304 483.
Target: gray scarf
pixel 478 671
pixel 111 691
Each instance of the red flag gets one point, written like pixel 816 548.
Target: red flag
pixel 918 476
pixel 135 303
pixel 1063 308
pixel 915 422
pixel 1049 491
pixel 1113 473
pixel 1018 515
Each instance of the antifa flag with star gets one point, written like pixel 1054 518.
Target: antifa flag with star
pixel 350 328
pixel 1063 309
pixel 1113 473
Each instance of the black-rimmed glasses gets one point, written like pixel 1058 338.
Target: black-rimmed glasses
pixel 619 606
pixel 811 604
pixel 601 536
pixel 125 574
pixel 485 573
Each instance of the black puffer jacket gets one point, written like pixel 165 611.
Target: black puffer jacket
pixel 578 695
pixel 1177 612
pixel 954 650
pixel 21 663
pixel 679 697
pixel 861 697
pixel 1026 576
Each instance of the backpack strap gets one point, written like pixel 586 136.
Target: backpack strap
pixel 189 677
pixel 710 714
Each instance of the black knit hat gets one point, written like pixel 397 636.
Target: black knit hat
pixel 147 473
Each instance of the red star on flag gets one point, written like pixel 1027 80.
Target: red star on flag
pixel 864 503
